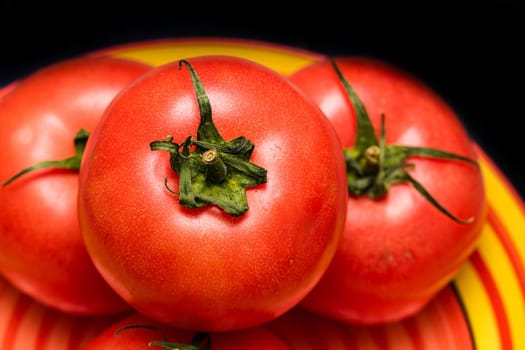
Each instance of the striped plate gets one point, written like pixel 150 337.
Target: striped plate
pixel 483 308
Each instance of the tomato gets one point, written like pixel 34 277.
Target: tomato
pixel 138 332
pixel 223 251
pixel 41 248
pixel 398 249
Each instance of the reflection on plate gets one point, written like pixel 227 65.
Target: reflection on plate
pixel 483 308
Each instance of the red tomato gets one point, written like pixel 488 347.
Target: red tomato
pixel 137 332
pixel 41 248
pixel 200 267
pixel 398 250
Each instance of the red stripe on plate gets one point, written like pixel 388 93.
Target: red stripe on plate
pixel 442 324
pixel 8 300
pixel 21 307
pixel 3 286
pixel 412 325
pixel 75 336
pixel 495 300
pixel 450 313
pixel 48 321
pixel 379 336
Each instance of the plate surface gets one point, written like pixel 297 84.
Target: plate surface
pixel 482 308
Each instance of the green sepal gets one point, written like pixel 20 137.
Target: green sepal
pixel 199 340
pixel 374 178
pixel 396 153
pixel 70 163
pixel 197 185
pixel 366 135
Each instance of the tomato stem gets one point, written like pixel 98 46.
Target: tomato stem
pixel 373 166
pixel 70 163
pixel 211 170
pixel 216 170
pixel 199 340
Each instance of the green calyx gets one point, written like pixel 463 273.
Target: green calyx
pixel 211 170
pixel 373 166
pixel 70 163
pixel 200 341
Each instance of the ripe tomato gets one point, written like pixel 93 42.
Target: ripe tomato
pixel 138 332
pixel 397 250
pixel 41 248
pixel 212 267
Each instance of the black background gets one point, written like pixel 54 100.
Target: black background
pixel 473 56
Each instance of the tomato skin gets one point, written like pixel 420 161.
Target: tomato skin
pixel 41 249
pixel 202 268
pixel 138 338
pixel 397 252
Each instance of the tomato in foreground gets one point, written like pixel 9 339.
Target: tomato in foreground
pixel 417 199
pixel 213 194
pixel 41 248
pixel 138 332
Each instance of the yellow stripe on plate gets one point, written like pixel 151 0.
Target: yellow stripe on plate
pixel 478 308
pixel 504 203
pixel 497 261
pixel 283 60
